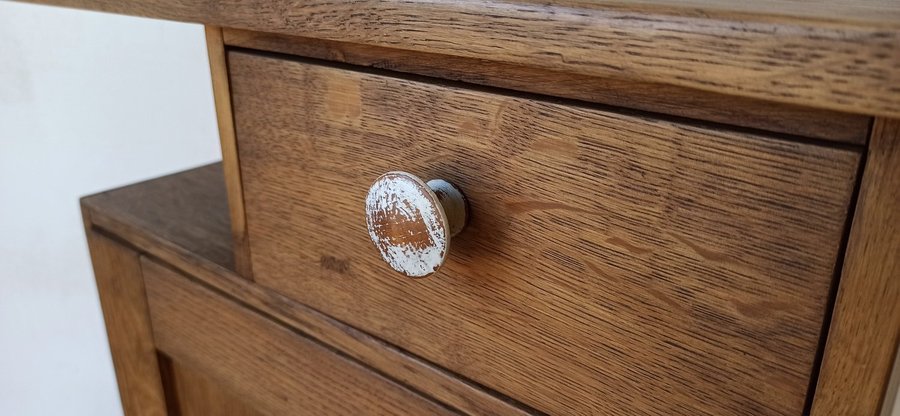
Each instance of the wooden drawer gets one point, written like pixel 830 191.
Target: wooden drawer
pixel 271 368
pixel 613 261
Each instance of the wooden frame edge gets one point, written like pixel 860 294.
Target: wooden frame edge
pixel 668 100
pixel 852 69
pixel 120 287
pixel 218 65
pixel 863 339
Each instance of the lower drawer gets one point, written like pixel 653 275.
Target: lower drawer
pixel 271 368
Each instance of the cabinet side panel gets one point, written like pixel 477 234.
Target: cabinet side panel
pixel 121 288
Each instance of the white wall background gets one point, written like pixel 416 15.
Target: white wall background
pixel 88 102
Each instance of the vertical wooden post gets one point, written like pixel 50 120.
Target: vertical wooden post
pixel 120 283
pixel 218 66
pixel 865 328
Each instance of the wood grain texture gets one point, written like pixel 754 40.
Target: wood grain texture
pixel 121 288
pixel 837 61
pixel 877 13
pixel 661 98
pixel 192 393
pixel 154 215
pixel 219 72
pixel 611 259
pixel 865 328
pixel 272 368
pixel 188 212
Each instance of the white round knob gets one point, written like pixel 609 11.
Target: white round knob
pixel 411 222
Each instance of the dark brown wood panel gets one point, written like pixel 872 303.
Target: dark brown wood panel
pixel 153 215
pixel 272 368
pixel 120 285
pixel 187 211
pixel 661 98
pixel 838 55
pixel 611 260
pixel 192 393
pixel 865 329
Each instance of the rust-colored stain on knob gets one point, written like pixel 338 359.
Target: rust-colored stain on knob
pixel 408 221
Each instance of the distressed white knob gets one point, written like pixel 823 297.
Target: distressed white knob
pixel 411 222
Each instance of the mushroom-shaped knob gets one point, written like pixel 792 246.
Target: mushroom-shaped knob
pixel 411 222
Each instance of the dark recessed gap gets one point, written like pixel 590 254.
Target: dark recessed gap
pixel 835 283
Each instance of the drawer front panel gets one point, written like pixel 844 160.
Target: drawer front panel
pixel 613 262
pixel 273 370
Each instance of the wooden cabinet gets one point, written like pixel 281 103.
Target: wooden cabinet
pixel 674 208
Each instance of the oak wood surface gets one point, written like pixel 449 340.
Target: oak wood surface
pixel 878 13
pixel 192 393
pixel 661 98
pixel 611 259
pixel 188 212
pixel 154 215
pixel 842 56
pixel 865 328
pixel 219 73
pixel 271 368
pixel 121 288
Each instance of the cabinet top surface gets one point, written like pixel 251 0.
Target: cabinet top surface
pixel 886 12
pixel 883 13
pixel 832 54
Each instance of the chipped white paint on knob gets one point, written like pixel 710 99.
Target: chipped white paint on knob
pixel 411 222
